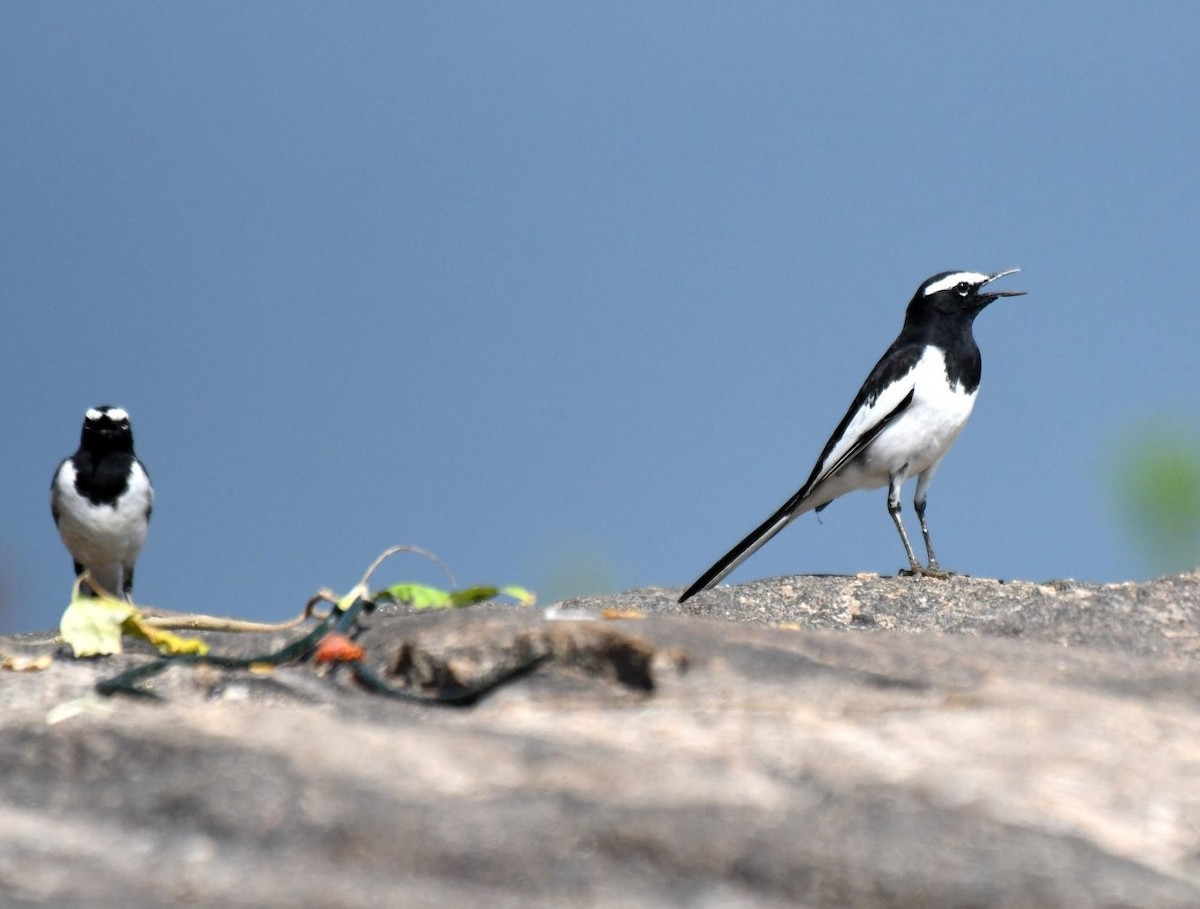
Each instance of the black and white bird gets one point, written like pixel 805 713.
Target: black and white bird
pixel 101 499
pixel 904 419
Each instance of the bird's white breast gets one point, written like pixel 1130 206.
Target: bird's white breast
pixel 99 535
pixel 924 432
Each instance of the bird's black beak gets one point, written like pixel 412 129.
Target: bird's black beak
pixel 993 294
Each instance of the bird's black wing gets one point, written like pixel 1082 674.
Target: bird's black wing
pixel 54 509
pixel 883 396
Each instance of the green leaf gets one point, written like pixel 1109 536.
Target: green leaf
pixel 1157 477
pixel 472 595
pixel 520 594
pixel 418 596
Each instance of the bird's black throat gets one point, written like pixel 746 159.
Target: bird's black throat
pixel 104 477
pixel 953 334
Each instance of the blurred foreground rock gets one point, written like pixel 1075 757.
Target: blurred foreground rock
pixel 812 741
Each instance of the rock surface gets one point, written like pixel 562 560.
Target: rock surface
pixel 812 741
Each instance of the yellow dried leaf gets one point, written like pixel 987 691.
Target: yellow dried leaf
pixel 20 663
pixel 165 641
pixel 92 625
pixel 622 614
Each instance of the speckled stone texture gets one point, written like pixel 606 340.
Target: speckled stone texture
pixel 805 741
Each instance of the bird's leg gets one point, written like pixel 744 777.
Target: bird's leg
pixel 933 571
pixel 919 505
pixel 915 569
pixel 919 501
pixel 893 503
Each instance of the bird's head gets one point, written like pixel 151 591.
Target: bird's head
pixel 106 428
pixel 960 292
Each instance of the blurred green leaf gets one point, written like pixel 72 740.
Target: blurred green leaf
pixel 1158 484
pixel 419 596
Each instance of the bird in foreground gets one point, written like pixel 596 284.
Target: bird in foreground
pixel 904 419
pixel 101 499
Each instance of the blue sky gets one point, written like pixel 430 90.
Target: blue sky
pixel 566 290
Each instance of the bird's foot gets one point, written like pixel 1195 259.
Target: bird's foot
pixel 920 571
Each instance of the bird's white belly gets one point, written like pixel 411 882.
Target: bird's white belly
pixel 98 535
pixel 921 436
pixel 916 439
pixel 103 536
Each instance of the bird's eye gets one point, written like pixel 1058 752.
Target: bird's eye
pixel 963 288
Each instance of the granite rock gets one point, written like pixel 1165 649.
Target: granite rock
pixel 811 741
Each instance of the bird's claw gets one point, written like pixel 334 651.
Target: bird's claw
pixel 920 571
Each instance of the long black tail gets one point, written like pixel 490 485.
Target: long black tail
pixel 754 541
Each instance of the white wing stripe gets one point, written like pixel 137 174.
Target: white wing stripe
pixel 869 415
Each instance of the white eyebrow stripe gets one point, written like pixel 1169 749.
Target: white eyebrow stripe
pixel 116 414
pixel 971 277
